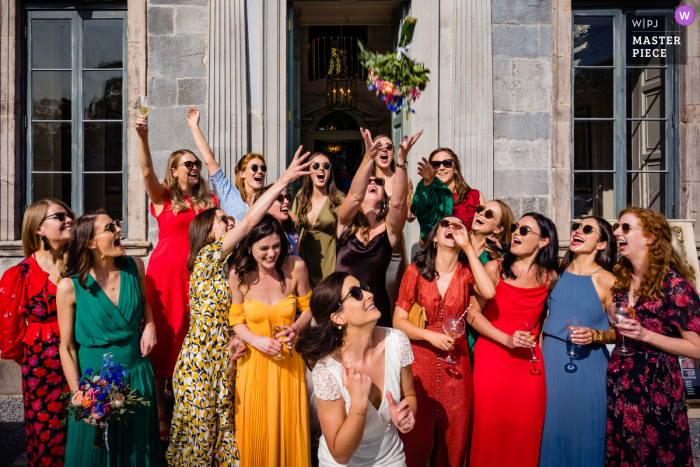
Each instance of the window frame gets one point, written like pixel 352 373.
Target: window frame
pixel 672 101
pixel 77 13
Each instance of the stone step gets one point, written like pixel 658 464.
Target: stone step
pixel 10 378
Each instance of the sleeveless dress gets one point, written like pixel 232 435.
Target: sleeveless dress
pixel 574 433
pixel 380 445
pixel 396 270
pixel 444 391
pixel 29 335
pixel 509 401
pixel 101 328
pixel 202 430
pixel 272 416
pixel 167 285
pixel 368 263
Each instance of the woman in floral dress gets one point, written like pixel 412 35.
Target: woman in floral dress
pixel 29 329
pixel 647 421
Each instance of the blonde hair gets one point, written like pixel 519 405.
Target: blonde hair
pixel 240 167
pixel 507 219
pixel 33 217
pixel 202 196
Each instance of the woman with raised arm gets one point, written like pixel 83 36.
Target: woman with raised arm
pixel 574 434
pixel 203 416
pixel 250 174
pixel 362 377
pixel 101 303
pixel 315 212
pixel 509 384
pixel 174 203
pixel 443 192
pixel 29 327
pixel 369 225
pixel 647 421
pixel 444 274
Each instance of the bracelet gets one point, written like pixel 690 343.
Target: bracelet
pixel 402 166
pixel 410 395
pixel 358 413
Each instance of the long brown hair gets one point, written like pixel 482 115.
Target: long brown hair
pixel 507 219
pixel 80 259
pixel 202 196
pixel 33 217
pixel 461 186
pixel 240 167
pixel 392 165
pixel 304 196
pixel 199 234
pixel 660 257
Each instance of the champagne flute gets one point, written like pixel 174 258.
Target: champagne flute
pixel 144 104
pixel 229 354
pixel 453 327
pixel 573 325
pixel 617 311
pixel 277 327
pixel 530 328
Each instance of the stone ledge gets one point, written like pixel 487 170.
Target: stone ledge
pixel 13 248
pixel 10 378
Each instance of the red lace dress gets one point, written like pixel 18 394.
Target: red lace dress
pixel 29 335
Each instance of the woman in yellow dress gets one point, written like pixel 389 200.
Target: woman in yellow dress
pixel 268 288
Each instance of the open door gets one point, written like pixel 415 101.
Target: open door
pixel 293 83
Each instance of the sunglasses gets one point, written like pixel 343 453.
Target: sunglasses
pixel 524 231
pixel 189 164
pixel 282 196
pixel 445 223
pixel 255 168
pixel 387 146
pixel 61 216
pixel 625 227
pixel 447 163
pixel 488 213
pixel 316 165
pixel 356 292
pixel 586 228
pixel 226 219
pixel 377 181
pixel 113 226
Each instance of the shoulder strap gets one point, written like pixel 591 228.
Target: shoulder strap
pixel 546 280
pixel 596 271
pixel 291 275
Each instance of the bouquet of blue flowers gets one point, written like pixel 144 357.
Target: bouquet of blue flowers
pixel 103 397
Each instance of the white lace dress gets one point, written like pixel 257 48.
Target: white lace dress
pixel 381 445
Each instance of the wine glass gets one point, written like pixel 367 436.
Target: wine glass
pixel 573 325
pixel 530 328
pixel 229 354
pixel 278 326
pixel 144 104
pixel 453 327
pixel 617 311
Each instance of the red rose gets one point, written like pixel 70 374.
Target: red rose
pixel 58 439
pixel 36 405
pixel 45 435
pixel 36 348
pixel 46 461
pixel 53 406
pixel 54 423
pixel 43 417
pixel 57 392
pixel 56 450
pixel 39 372
pixel 41 392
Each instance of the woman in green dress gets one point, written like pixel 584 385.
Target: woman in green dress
pixel 99 312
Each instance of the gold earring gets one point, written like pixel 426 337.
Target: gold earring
pixel 434 244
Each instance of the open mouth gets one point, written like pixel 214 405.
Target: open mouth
pixel 448 234
pixel 442 175
pixel 479 221
pixel 373 189
pixel 193 176
pixel 321 177
pixel 258 178
pixel 118 244
pixel 284 209
pixel 371 307
pixel 577 240
pixel 384 157
pixel 516 241
pixel 621 243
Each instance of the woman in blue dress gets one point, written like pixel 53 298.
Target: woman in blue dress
pixel 574 425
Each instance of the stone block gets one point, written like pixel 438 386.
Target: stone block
pixel 520 154
pixel 530 204
pixel 521 12
pixel 501 155
pixel 191 91
pixel 447 13
pixel 162 91
pixel 545 41
pixel 191 20
pixel 502 84
pixel 179 2
pixel 176 56
pixel 8 261
pixel 541 153
pixel 160 20
pixel 515 41
pixel 531 85
pixel 513 202
pixel 169 129
pixel 526 125
pixel 544 207
pixel 10 379
pixel 521 182
pixel 446 46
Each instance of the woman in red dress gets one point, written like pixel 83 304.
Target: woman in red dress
pixel 510 393
pixel 441 279
pixel 174 203
pixel 29 328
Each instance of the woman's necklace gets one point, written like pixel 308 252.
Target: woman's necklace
pixel 43 266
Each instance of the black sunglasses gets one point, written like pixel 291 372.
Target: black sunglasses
pixel 113 226
pixel 377 181
pixel 189 164
pixel 226 219
pixel 445 223
pixel 61 216
pixel 447 163
pixel 387 146
pixel 316 165
pixel 523 231
pixel 255 167
pixel 625 227
pixel 282 196
pixel 586 228
pixel 356 292
pixel 488 213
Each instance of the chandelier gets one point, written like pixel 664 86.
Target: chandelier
pixel 341 88
pixel 332 147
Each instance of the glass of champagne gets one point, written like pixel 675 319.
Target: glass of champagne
pixel 573 325
pixel 277 327
pixel 530 328
pixel 453 327
pixel 230 353
pixel 617 311
pixel 144 104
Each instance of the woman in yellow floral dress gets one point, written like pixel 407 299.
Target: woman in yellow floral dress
pixel 202 432
pixel 268 288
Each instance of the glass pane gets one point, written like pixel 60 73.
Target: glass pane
pixel 593 40
pixel 51 186
pixel 102 95
pixel 594 195
pixel 103 146
pixel 51 43
pixel 646 145
pixel 103 43
pixel 593 93
pixel 51 95
pixel 646 93
pixel 103 191
pixel 51 147
pixel 594 145
pixel 647 190
pixel 642 32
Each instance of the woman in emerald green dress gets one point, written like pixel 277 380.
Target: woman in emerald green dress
pixel 99 312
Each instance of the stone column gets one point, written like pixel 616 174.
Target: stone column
pixel 227 96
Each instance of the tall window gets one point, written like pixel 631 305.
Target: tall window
pixel 625 101
pixel 76 111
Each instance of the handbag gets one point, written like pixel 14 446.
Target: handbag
pixel 417 316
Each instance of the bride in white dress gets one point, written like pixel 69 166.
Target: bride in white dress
pixel 362 377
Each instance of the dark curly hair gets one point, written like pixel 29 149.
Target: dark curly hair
pixel 605 258
pixel 546 259
pixel 244 261
pixel 425 257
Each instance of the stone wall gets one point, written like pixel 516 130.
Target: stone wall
pixel 521 34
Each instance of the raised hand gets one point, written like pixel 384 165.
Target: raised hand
pixel 406 145
pixel 401 415
pixel 372 148
pixel 460 235
pixel 297 168
pixel 193 117
pixel 141 126
pixel 357 384
pixel 426 171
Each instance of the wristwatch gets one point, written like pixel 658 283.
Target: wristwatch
pixel 598 336
pixel 402 166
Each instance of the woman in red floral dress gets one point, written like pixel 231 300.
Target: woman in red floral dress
pixel 29 328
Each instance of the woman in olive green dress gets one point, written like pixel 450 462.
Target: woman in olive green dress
pixel 99 312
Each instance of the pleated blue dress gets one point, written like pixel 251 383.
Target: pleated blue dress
pixel 574 425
